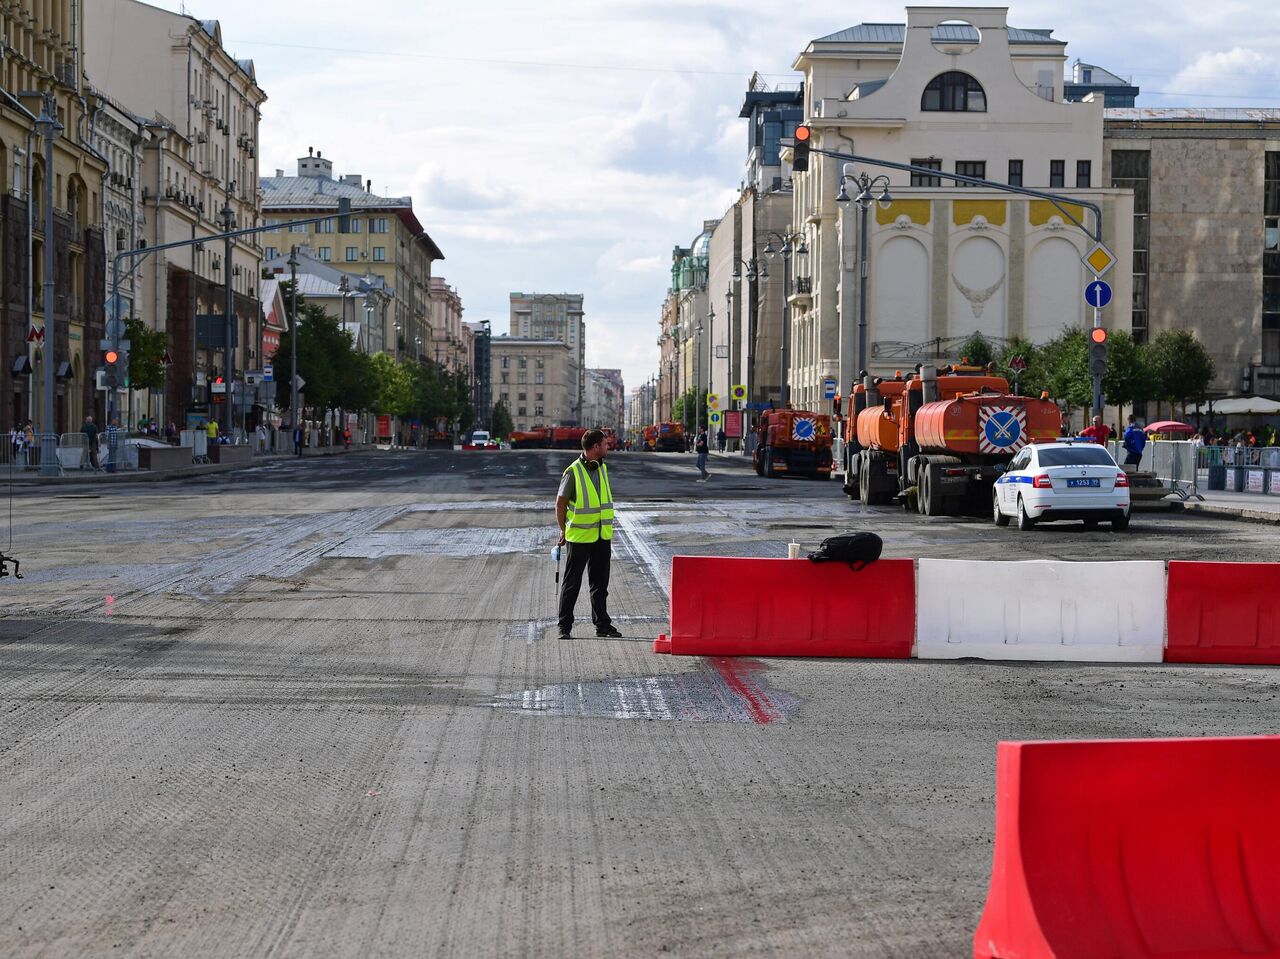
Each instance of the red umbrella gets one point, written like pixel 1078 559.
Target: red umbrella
pixel 1169 426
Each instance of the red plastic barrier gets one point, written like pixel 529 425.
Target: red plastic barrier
pixel 1224 613
pixel 1128 848
pixel 723 606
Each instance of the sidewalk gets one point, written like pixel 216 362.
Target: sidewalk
pixel 31 477
pixel 1252 506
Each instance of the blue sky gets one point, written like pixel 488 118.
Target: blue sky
pixel 568 147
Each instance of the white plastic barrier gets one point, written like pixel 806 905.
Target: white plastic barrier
pixel 1041 610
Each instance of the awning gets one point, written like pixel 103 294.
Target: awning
pixel 21 366
pixel 65 371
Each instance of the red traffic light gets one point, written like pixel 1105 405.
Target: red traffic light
pixel 112 356
pixel 803 132
pixel 1098 334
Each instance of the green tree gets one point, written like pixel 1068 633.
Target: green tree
pixel 392 385
pixel 1128 378
pixel 1023 382
pixel 500 423
pixel 977 350
pixel 1181 368
pixel 146 349
pixel 1064 366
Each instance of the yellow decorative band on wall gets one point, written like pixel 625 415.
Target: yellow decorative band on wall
pixel 917 211
pixel 963 211
pixel 1041 211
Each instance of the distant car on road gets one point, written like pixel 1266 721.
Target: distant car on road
pixel 480 440
pixel 1072 479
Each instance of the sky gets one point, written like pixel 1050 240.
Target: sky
pixel 568 146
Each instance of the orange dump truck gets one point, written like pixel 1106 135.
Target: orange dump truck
pixel 940 439
pixel 793 442
pixel 668 437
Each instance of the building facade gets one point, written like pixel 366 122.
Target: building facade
pixel 199 178
pixel 536 380
pixel 43 44
pixel 976 98
pixel 384 238
pixel 555 316
pixel 1206 233
pixel 452 341
pixel 604 404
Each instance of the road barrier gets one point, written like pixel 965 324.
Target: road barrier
pixel 1133 848
pixel 1040 610
pixel 1224 613
pixel 724 606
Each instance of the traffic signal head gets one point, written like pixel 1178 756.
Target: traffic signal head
pixel 800 152
pixel 1098 351
pixel 111 369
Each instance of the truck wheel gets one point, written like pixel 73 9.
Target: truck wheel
pixel 864 482
pixel 1025 522
pixel 768 464
pixel 931 504
pixel 999 517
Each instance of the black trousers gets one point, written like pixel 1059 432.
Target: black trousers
pixel 594 558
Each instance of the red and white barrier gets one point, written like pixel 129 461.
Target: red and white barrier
pixel 1224 613
pixel 1041 610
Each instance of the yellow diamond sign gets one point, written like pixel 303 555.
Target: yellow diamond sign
pixel 1099 259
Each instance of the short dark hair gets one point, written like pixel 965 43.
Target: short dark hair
pixel 591 437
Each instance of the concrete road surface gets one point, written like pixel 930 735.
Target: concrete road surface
pixel 318 709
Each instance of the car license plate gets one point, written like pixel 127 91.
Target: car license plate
pixel 1077 483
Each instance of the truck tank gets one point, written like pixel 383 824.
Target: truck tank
pixel 985 424
pixel 877 429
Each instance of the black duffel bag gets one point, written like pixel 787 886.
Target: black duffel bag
pixel 856 549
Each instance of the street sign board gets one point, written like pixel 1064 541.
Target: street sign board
pixel 1097 294
pixel 166 360
pixel 713 401
pixel 115 329
pixel 268 372
pixel 1099 259
pixel 738 392
pixel 714 417
pixel 829 388
pixel 1018 364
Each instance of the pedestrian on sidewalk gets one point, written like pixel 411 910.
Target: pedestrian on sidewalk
pixel 721 439
pixel 297 439
pixel 584 513
pixel 700 447
pixel 90 431
pixel 1098 432
pixel 1135 441
pixel 113 443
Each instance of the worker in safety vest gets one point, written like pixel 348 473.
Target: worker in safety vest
pixel 584 513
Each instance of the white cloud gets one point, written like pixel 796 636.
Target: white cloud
pixel 1235 71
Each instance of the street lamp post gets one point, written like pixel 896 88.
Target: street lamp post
pixel 49 128
pixel 228 305
pixel 866 183
pixel 785 250
pixel 751 270
pixel 293 339
pixel 697 377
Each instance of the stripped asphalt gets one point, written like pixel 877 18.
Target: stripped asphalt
pixel 318 709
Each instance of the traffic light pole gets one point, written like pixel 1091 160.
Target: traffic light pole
pixel 136 257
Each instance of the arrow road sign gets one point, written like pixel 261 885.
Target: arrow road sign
pixel 1097 293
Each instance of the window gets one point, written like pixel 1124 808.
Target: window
pixel 269 253
pixel 954 92
pixel 537 378
pixel 326 254
pixel 378 225
pixel 355 224
pixel 1131 169
pixel 1015 173
pixel 537 411
pixel 296 228
pixel 523 411
pixel 540 363
pixel 379 254
pixel 503 398
pixel 275 228
pixel 522 397
pixel 353 254
pixel 506 364
pixel 923 179
pixel 1084 173
pixel 973 168
pixel 522 377
pixel 524 364
pixel 324 226
pixel 1057 172
pixel 538 397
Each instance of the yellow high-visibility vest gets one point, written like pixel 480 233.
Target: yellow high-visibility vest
pixel 592 518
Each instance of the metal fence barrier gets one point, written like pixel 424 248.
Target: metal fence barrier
pixel 1172 462
pixel 1240 469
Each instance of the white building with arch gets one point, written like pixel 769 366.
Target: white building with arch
pixel 957 90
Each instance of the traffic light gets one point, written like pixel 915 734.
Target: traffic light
pixel 122 369
pixel 111 369
pixel 1098 351
pixel 800 152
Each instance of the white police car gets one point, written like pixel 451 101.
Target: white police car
pixel 1068 479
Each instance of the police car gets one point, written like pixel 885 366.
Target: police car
pixel 1067 479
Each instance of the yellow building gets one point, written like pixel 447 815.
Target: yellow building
pixel 42 44
pixel 385 239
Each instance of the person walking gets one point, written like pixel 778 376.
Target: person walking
pixel 584 513
pixel 721 439
pixel 1135 441
pixel 700 447
pixel 90 431
pixel 297 439
pixel 1098 432
pixel 113 443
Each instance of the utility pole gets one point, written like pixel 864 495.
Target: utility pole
pixel 228 306
pixel 50 129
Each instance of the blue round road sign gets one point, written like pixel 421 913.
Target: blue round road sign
pixel 1097 293
pixel 1002 429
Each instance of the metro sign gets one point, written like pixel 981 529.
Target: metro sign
pixel 35 334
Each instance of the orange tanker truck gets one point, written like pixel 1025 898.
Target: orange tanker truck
pixel 944 437
pixel 793 442
pixel 668 437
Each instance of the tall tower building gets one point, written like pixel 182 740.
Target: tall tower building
pixel 556 316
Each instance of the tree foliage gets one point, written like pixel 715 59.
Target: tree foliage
pixel 977 350
pixel 500 422
pixel 1181 368
pixel 146 350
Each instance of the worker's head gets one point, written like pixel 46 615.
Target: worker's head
pixel 1097 421
pixel 1133 420
pixel 593 446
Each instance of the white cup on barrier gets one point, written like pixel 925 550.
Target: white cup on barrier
pixel 793 551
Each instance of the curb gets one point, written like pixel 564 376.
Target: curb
pixel 1233 512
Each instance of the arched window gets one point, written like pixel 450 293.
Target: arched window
pixel 954 92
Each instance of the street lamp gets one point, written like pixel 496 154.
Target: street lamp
pixel 48 127
pixel 697 374
pixel 866 183
pixel 293 337
pixel 785 250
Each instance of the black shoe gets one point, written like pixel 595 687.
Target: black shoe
pixel 564 634
pixel 609 632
